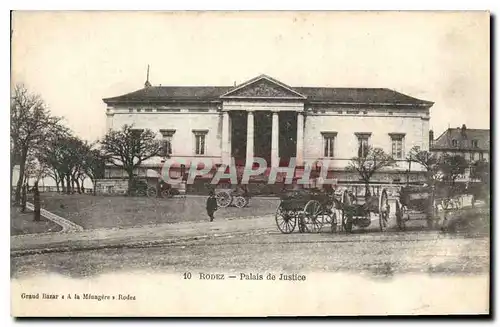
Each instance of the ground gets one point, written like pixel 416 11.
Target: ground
pixel 371 252
pixel 93 212
pixel 246 243
pixel 22 223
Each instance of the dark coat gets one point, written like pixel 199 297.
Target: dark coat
pixel 211 204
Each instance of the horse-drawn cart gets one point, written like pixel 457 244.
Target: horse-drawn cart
pixel 359 214
pixel 311 210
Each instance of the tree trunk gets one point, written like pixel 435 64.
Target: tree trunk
pixel 367 189
pixel 22 167
pixel 68 184
pixel 24 197
pixel 94 187
pixel 82 181
pixel 56 179
pixel 61 181
pixel 36 202
pixel 12 165
pixel 79 190
pixel 130 180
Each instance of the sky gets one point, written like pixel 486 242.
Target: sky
pixel 74 59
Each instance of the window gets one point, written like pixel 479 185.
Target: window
pixel 329 144
pixel 363 144
pixel 454 142
pixel 397 142
pixel 131 110
pixel 148 110
pixel 139 110
pixel 199 141
pixel 475 144
pixel 168 134
pixel 481 156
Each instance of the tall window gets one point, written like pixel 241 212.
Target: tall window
pixel 168 135
pixel 397 142
pixel 475 144
pixel 454 142
pixel 199 142
pixel 363 144
pixel 329 144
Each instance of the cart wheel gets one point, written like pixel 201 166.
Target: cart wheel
pixel 333 222
pixel 313 216
pixel 383 210
pixel 286 223
pixel 140 193
pixel 224 199
pixel 151 192
pixel 400 216
pixel 168 193
pixel 240 202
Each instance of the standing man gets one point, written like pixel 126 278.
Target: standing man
pixel 211 205
pixel 36 202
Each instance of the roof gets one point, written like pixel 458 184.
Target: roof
pixel 463 137
pixel 311 94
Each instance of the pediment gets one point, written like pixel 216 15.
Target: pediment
pixel 263 87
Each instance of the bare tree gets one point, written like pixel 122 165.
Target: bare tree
pixel 428 160
pixel 128 148
pixel 451 167
pixel 30 123
pixel 368 163
pixel 93 163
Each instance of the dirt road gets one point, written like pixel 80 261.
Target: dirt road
pixel 371 252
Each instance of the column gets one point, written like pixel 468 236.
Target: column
pixel 275 138
pixel 225 138
pixel 229 149
pixel 300 139
pixel 249 158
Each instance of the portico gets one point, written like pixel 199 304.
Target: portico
pixel 257 96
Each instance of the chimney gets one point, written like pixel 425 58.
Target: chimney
pixel 147 84
pixel 431 138
pixel 464 128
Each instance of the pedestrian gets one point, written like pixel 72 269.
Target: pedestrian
pixel 211 205
pixel 36 202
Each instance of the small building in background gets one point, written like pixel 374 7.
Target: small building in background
pixel 472 144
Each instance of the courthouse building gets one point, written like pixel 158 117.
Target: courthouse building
pixel 266 118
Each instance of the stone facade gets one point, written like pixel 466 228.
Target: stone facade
pixel 387 119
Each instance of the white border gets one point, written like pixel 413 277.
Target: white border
pixel 492 5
